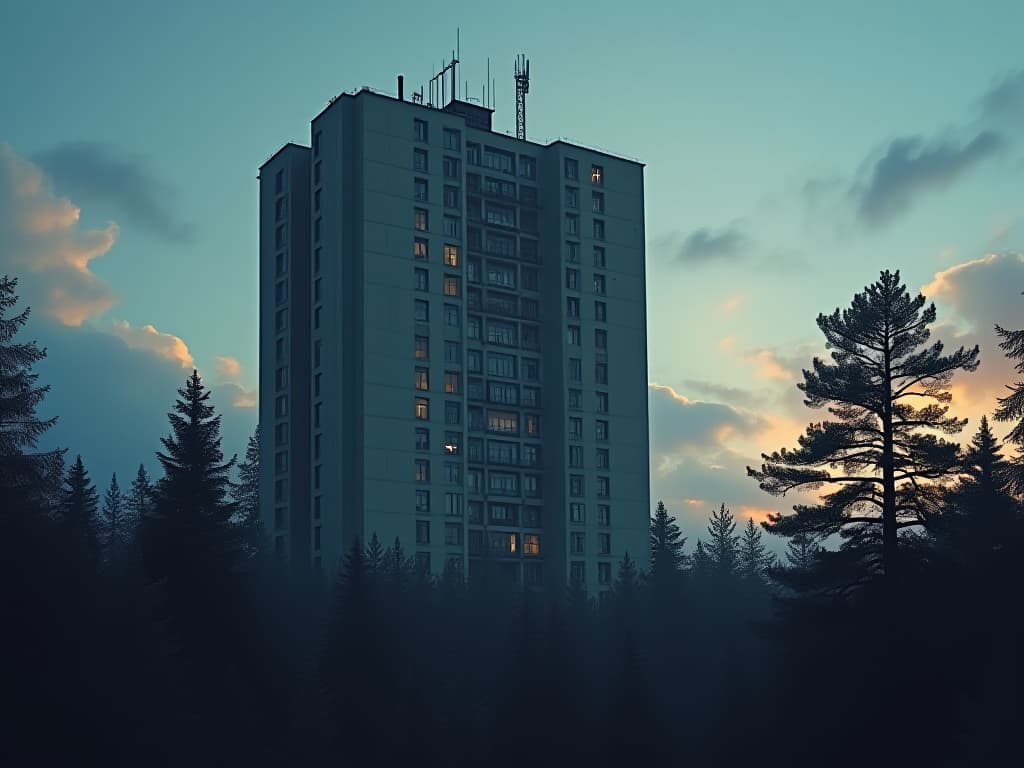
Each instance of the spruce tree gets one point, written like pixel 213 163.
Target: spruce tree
pixel 802 553
pixel 882 449
pixel 246 495
pixel 115 520
pixel 753 557
pixel 26 477
pixel 139 500
pixel 81 503
pixel 723 544
pixel 667 542
pixel 1011 407
pixel 701 563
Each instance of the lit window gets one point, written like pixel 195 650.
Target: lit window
pixel 422 408
pixel 451 285
pixel 422 347
pixel 420 220
pixel 451 255
pixel 531 544
pixel 452 383
pixel 596 174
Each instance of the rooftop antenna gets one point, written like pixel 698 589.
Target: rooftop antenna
pixel 522 88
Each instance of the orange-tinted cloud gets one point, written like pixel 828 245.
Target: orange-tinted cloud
pixel 228 368
pixel 41 242
pixel 165 345
pixel 769 366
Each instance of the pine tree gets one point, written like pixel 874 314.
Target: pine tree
pixel 627 584
pixel 753 559
pixel 376 559
pixel 81 503
pixel 1011 407
pixel 702 565
pixel 667 558
pixel 802 552
pixel 139 500
pixel 114 518
pixel 26 478
pixel 723 544
pixel 884 444
pixel 246 495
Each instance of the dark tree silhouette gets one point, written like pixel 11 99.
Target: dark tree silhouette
pixel 753 557
pixel 245 493
pixel 883 444
pixel 802 552
pixel 115 522
pixel 139 500
pixel 723 545
pixel 667 542
pixel 1011 406
pixel 26 478
pixel 81 503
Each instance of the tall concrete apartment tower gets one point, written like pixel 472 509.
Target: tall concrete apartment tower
pixel 453 346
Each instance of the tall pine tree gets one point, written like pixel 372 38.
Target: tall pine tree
pixel 81 503
pixel 246 495
pixel 1011 407
pixel 667 542
pixel 115 521
pixel 753 557
pixel 882 450
pixel 139 501
pixel 723 544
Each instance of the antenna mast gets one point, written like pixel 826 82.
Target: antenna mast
pixel 522 88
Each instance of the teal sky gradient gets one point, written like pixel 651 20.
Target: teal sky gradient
pixel 733 106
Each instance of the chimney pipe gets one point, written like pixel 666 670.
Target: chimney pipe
pixel 401 88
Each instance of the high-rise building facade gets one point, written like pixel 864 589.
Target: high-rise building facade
pixel 453 346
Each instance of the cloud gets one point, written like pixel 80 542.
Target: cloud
pixel 704 245
pixel 237 395
pixel 228 368
pixel 165 345
pixel 41 242
pixel 1005 98
pixel 911 166
pixel 93 172
pixel 768 365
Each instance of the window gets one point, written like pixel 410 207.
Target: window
pixel 422 347
pixel 531 517
pixel 316 476
pixel 596 174
pixel 572 252
pixel 600 373
pixel 528 249
pixel 451 168
pixel 533 425
pixel 420 129
pixel 452 383
pixel 527 167
pixel 531 486
pixel 531 397
pixel 422 532
pixel 500 215
pixel 452 286
pixel 576 542
pixel 316 414
pixel 599 285
pixel 282 263
pixel 573 336
pixel 422 502
pixel 452 412
pixel 503 421
pixel 474 360
pixel 453 505
pixel 604 573
pixel 422 408
pixel 472 153
pixel 452 352
pixel 531 544
pixel 505 394
pixel 599 260
pixel 316 317
pixel 503 483
pixel 502 452
pixel 598 229
pixel 419 160
pixel 530 455
pixel 316 289
pixel 475 484
pixel 279 182
pixel 452 443
pixel 316 446
pixel 473 327
pixel 316 173
pixel 316 260
pixel 572 306
pixel 452 316
pixel 316 231
pixel 420 220
pixel 453 473
pixel 281 208
pixel 575 428
pixel 281 320
pixel 598 202
pixel 281 434
pixel 422 279
pixel 600 311
pixel 280 487
pixel 601 431
pixel 576 456
pixel 423 378
pixel 422 470
pixel 279 350
pixel 575 369
pixel 476 449
pixel 572 169
pixel 602 458
pixel 453 534
pixel 498 160
pixel 572 198
pixel 281 461
pixel 422 439
pixel 501 333
pixel 421 309
pixel 604 515
pixel 420 190
pixel 572 279
pixel 604 543
pixel 281 378
pixel 452 226
pixel 281 405
pixel 602 402
pixel 603 487
pixel 530 369
pixel 575 485
pixel 451 255
pixel 451 197
pixel 530 336
pixel 281 236
pixel 577 512
pixel 452 139
pixel 600 338
pixel 419 248
pixel 501 274
pixel 473 270
pixel 576 572
pixel 528 278
pixel 501 365
pixel 572 224
pixel 575 399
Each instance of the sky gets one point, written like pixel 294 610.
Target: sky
pixel 792 150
